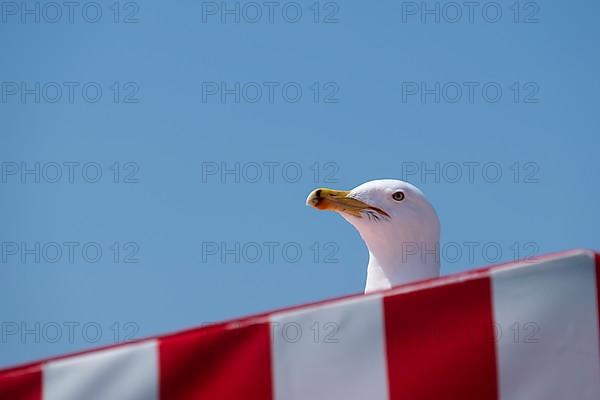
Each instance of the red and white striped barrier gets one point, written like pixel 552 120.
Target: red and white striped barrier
pixel 515 331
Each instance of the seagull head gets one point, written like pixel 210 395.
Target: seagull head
pixel 398 224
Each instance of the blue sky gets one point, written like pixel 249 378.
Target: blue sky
pixel 503 115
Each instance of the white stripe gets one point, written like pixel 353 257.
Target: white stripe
pixel 128 372
pixel 548 318
pixel 332 351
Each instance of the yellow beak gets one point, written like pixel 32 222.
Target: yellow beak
pixel 338 200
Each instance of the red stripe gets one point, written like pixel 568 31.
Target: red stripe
pixel 22 384
pixel 597 259
pixel 218 362
pixel 440 342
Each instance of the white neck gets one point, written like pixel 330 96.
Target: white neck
pixel 389 273
pixel 400 252
pixel 398 258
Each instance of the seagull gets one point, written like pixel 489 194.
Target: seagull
pixel 399 226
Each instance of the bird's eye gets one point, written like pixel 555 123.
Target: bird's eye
pixel 398 196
